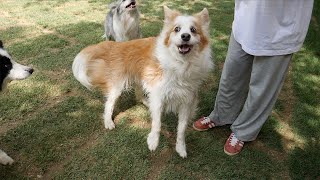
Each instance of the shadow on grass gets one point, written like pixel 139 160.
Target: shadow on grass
pixel 304 162
pixel 12 33
pixel 312 40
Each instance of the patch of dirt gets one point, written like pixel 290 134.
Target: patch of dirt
pixel 159 162
pixel 32 171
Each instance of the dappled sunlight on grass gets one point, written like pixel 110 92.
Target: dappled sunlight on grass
pixel 136 117
pixel 94 103
pixel 48 89
pixel 19 34
pixel 315 109
pixel 291 140
pixel 304 161
pixel 76 114
pixel 54 16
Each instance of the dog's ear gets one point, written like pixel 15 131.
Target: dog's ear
pixel 1 44
pixel 170 15
pixel 203 17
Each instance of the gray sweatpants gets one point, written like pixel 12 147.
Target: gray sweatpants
pixel 248 89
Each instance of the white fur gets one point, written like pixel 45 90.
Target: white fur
pixel 182 77
pixel 113 95
pixel 5 159
pixel 18 71
pixel 79 70
pixel 5 53
pixel 126 31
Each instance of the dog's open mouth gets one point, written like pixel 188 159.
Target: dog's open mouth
pixel 132 5
pixel 185 48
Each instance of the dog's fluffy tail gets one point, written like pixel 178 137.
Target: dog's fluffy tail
pixel 79 69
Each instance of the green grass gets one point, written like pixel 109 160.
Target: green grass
pixel 52 126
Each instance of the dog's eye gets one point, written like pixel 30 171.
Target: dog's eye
pixel 177 29
pixel 193 29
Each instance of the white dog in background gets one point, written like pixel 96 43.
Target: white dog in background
pixel 10 70
pixel 123 21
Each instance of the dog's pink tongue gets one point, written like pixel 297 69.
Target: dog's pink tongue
pixel 184 48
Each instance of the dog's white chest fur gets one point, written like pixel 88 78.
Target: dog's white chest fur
pixel 181 78
pixel 175 89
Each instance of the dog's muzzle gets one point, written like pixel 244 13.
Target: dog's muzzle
pixel 132 5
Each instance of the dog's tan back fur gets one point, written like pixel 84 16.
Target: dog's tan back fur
pixel 113 62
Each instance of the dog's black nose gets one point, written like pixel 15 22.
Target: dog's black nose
pixel 185 36
pixel 30 70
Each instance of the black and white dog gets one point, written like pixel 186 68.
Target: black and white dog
pixel 9 71
pixel 123 21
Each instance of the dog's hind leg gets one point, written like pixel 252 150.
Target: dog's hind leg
pixel 112 97
pixel 140 95
pixel 5 159
pixel 155 106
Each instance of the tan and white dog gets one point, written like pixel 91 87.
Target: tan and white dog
pixel 170 68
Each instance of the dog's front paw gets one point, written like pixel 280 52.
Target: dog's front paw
pixel 153 141
pixel 109 124
pixel 5 159
pixel 181 149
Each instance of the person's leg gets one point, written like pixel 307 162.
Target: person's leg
pixel 267 77
pixel 234 83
